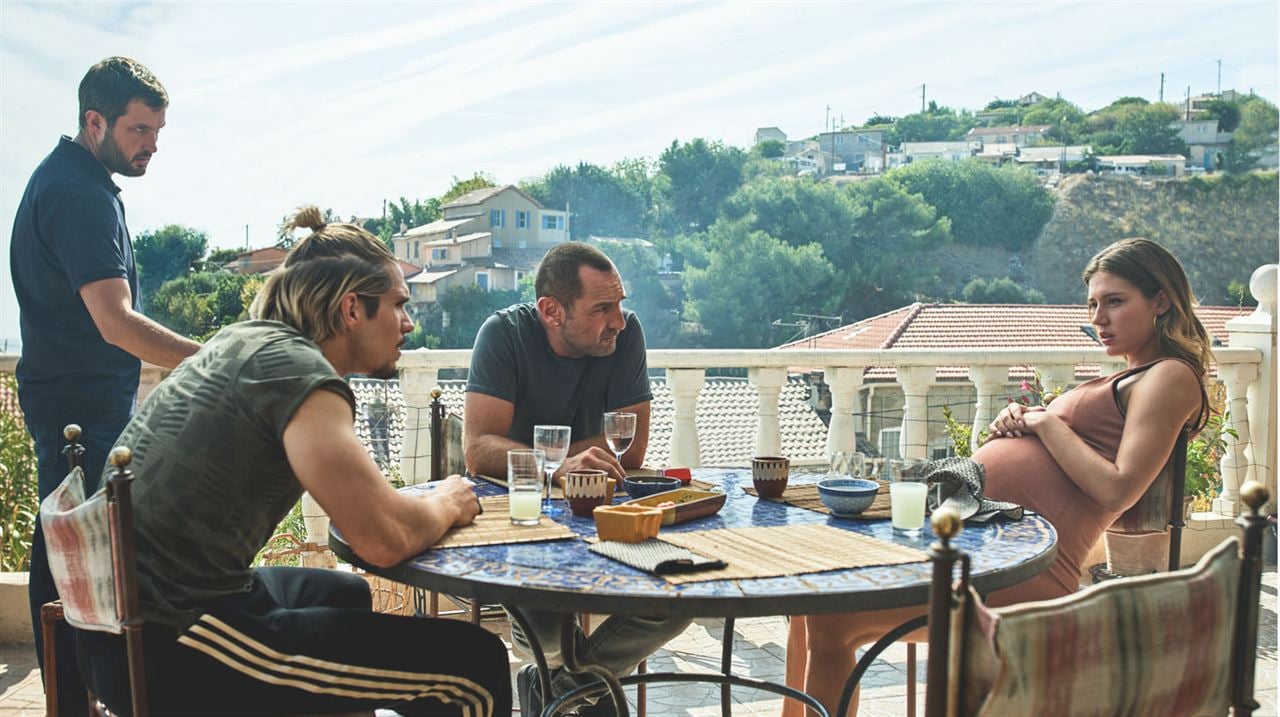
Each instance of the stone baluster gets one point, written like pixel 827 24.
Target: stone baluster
pixel 915 380
pixel 987 380
pixel 1258 331
pixel 685 383
pixel 768 383
pixel 415 456
pixel 844 382
pixel 1054 376
pixel 1236 468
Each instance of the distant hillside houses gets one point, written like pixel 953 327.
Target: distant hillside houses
pixel 491 238
pixel 864 150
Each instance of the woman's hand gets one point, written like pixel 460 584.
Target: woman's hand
pixel 1016 419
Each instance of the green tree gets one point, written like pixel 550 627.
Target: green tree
pixel 935 124
pixel 1066 120
pixel 466 308
pixel 693 179
pixel 799 212
pixel 887 263
pixel 166 254
pixel 987 206
pixel 753 279
pixel 1135 126
pixel 1000 291
pixel 771 149
pixel 602 203
pixel 479 180
pixel 1227 114
pixel 1254 134
pixel 199 304
pixel 409 214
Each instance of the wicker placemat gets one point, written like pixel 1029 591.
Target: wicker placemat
pixel 558 494
pixel 806 496
pixel 493 527
pixel 786 550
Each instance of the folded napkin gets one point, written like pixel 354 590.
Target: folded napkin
pixel 960 482
pixel 657 557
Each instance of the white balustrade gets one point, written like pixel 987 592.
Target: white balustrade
pixel 1236 465
pixel 914 440
pixel 987 380
pixel 685 383
pixel 768 383
pixel 844 382
pixel 415 455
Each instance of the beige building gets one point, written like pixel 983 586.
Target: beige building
pixel 491 238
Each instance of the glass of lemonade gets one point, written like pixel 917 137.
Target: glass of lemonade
pixel 524 485
pixel 907 490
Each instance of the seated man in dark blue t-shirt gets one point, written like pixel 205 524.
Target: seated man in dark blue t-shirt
pixel 565 360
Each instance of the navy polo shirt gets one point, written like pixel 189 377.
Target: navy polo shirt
pixel 70 231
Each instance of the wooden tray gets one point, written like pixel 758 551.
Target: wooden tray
pixel 690 503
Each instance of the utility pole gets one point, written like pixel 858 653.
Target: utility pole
pixel 1188 111
pixel 1219 78
pixel 922 99
pixel 246 237
pixel 826 121
pixel 1161 87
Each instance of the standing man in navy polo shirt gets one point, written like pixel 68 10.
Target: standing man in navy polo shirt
pixel 83 336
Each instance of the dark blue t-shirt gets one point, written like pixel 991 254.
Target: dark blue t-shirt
pixel 512 360
pixel 70 231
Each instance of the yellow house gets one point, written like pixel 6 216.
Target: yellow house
pixel 514 219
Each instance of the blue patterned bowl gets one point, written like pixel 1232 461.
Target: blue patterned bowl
pixel 847 496
pixel 641 486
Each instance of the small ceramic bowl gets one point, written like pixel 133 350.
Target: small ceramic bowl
pixel 847 496
pixel 642 486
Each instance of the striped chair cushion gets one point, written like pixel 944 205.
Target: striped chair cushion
pixel 1151 645
pixel 77 534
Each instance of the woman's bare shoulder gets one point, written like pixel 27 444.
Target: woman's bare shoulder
pixel 1170 386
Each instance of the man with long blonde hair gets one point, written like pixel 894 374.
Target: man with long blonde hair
pixel 224 448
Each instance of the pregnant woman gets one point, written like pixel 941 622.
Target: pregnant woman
pixel 1081 462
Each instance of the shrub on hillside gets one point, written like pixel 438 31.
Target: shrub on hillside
pixel 987 206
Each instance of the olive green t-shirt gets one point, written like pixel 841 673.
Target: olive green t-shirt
pixel 213 480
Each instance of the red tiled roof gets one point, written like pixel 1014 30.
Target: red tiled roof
pixel 408 269
pixel 950 326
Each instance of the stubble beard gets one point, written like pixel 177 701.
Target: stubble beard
pixel 114 160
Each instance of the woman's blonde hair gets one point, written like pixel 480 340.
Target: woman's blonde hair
pixel 330 262
pixel 1152 269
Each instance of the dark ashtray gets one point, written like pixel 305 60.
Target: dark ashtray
pixel 642 486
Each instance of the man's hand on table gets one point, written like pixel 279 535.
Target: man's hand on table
pixel 457 498
pixel 595 458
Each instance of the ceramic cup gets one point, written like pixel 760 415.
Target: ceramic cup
pixel 769 474
pixel 585 489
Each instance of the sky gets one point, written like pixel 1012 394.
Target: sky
pixel 278 104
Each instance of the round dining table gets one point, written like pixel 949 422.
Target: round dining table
pixel 566 577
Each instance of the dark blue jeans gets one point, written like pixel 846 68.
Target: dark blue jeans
pixel 99 431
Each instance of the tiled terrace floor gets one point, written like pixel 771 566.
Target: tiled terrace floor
pixel 758 652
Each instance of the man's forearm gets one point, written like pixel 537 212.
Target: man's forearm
pixel 147 339
pixel 487 455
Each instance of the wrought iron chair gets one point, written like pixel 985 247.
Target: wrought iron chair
pixel 1121 640
pixel 98 587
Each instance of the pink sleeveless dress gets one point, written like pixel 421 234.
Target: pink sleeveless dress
pixel 1022 470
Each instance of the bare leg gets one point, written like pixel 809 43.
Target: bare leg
pixel 832 644
pixel 797 664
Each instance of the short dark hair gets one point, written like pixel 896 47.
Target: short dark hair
pixel 109 86
pixel 558 272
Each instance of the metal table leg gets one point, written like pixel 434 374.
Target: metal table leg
pixel 726 669
pixel 846 696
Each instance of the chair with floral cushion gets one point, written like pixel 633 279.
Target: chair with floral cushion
pixel 90 548
pixel 1177 643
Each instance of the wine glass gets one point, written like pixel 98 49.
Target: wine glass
pixel 554 442
pixel 619 431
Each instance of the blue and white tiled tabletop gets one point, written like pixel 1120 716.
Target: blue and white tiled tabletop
pixel 564 575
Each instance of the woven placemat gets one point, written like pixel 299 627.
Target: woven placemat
pixel 558 494
pixel 806 496
pixel 493 527
pixel 786 550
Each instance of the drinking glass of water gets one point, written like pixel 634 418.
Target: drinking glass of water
pixel 847 464
pixel 524 485
pixel 907 491
pixel 553 441
pixel 619 431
